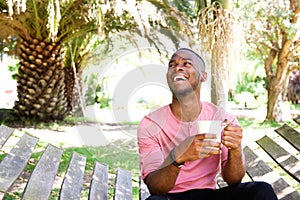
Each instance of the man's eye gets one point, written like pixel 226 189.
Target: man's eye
pixel 187 63
pixel 172 65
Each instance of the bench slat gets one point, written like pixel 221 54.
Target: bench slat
pixel 220 182
pixel 72 184
pixel 283 158
pixel 289 134
pixel 260 171
pixel 143 190
pixel 42 178
pixel 99 183
pixel 15 161
pixel 5 132
pixel 2 194
pixel 123 185
pixel 297 119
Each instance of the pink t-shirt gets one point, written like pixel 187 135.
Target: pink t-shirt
pixel 159 132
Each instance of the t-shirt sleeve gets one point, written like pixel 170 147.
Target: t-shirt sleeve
pixel 150 153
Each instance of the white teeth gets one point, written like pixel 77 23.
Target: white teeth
pixel 179 78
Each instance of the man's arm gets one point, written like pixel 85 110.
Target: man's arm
pixel 234 169
pixel 162 180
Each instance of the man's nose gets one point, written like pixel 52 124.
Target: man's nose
pixel 179 67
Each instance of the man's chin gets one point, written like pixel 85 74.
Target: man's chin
pixel 182 92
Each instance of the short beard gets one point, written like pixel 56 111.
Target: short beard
pixel 182 93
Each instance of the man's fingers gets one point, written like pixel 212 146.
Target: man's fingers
pixel 232 142
pixel 206 136
pixel 205 152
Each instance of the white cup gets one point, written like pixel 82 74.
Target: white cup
pixel 211 127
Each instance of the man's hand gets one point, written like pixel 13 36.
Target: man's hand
pixel 196 147
pixel 234 169
pixel 232 137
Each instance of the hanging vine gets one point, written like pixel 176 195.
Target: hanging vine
pixel 221 34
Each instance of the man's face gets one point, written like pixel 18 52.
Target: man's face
pixel 184 73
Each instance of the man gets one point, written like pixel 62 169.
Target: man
pixel 178 163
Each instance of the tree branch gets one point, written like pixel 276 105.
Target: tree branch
pixel 296 11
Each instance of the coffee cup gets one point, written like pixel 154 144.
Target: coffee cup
pixel 211 127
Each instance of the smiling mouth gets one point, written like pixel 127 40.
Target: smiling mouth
pixel 179 78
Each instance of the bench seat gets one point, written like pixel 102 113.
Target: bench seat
pixel 43 177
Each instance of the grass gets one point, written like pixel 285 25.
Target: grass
pixel 252 123
pixel 247 123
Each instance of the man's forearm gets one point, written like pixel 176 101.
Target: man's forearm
pixel 163 179
pixel 234 170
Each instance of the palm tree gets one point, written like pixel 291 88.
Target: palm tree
pixel 42 29
pixel 74 55
pixel 45 30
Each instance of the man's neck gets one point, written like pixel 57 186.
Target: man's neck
pixel 186 108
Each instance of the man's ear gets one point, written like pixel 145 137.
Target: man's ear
pixel 203 76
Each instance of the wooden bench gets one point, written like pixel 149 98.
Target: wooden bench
pixel 279 166
pixel 41 181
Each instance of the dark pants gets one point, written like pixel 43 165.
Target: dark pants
pixel 242 191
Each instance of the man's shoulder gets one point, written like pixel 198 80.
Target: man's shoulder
pixel 208 104
pixel 159 115
pixel 159 110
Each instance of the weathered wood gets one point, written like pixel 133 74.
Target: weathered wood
pixel 2 194
pixel 5 133
pixel 99 183
pixel 260 171
pixel 15 161
pixel 297 119
pixel 220 182
pixel 123 185
pixel 290 135
pixel 72 184
pixel 41 181
pixel 42 178
pixel 143 189
pixel 283 158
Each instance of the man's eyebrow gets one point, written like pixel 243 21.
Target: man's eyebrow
pixel 182 59
pixel 187 59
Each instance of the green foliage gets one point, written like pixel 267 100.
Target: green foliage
pixel 8 43
pixel 14 69
pixel 272 25
pixel 116 23
pixel 92 84
pixel 295 106
pixel 188 8
pixel 103 99
pixel 95 94
pixel 251 86
pixel 255 85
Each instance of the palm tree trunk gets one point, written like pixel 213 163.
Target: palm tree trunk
pixel 74 91
pixel 40 81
